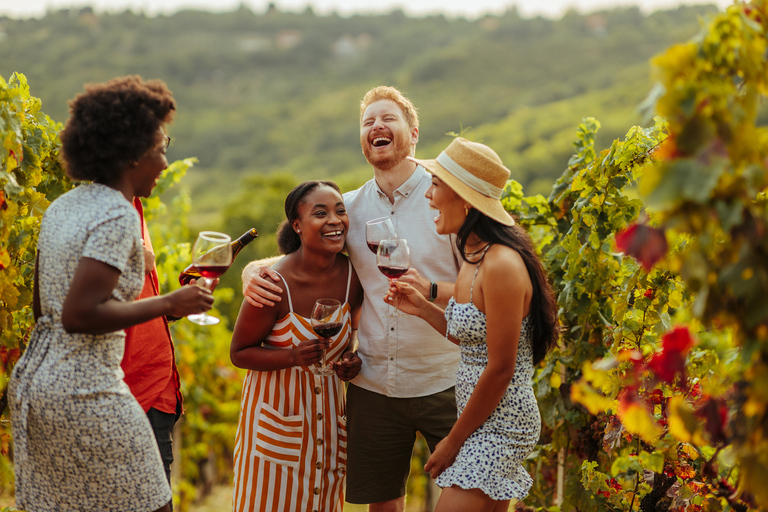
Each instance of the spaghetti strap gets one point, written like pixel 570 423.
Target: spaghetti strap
pixel 287 291
pixel 479 262
pixel 349 278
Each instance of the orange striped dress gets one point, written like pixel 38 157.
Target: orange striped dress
pixel 291 442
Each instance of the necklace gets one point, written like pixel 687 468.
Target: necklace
pixel 475 253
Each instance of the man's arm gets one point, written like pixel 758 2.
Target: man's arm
pixel 257 290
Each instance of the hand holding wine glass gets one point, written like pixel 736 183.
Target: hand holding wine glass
pixel 211 256
pixel 327 323
pixel 377 230
pixel 393 259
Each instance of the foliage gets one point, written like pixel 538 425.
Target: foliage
pixel 656 398
pixel 30 177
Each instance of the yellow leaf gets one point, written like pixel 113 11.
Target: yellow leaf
pixel 638 421
pixel 555 380
pixel 683 424
pixel 589 398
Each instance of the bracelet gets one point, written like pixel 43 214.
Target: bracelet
pixel 432 291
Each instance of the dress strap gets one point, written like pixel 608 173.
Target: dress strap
pixel 477 269
pixel 287 291
pixel 349 278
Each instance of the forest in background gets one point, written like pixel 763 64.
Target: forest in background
pixel 266 100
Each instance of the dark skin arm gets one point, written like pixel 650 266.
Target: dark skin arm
pixel 252 327
pixel 89 307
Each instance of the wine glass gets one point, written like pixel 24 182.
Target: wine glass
pixel 393 259
pixel 377 230
pixel 327 323
pixel 211 256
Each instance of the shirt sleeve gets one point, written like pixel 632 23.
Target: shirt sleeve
pixel 113 238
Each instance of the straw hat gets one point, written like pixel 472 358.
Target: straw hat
pixel 476 173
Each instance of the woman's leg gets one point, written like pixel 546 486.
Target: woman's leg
pixel 456 499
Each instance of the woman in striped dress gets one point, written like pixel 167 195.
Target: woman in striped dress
pixel 290 448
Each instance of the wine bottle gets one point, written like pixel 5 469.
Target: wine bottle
pixel 191 272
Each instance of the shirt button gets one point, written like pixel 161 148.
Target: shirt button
pixel 319 416
pixel 317 390
pixel 319 442
pixel 319 465
pixel 317 490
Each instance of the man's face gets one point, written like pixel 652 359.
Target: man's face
pixel 385 136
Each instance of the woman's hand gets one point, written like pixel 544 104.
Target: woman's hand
pixel 443 456
pixel 189 300
pixel 309 352
pixel 349 366
pixel 258 290
pixel 406 298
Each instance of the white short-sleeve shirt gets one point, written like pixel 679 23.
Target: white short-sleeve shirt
pixel 406 357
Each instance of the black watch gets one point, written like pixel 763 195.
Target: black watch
pixel 433 292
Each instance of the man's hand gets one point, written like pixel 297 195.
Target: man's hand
pixel 349 366
pixel 257 290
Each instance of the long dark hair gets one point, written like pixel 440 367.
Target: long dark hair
pixel 288 240
pixel 543 313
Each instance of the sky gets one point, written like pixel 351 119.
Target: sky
pixel 467 8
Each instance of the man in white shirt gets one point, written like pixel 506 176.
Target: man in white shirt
pixel 408 370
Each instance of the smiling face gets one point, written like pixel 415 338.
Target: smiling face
pixel 450 206
pixel 385 137
pixel 150 165
pixel 323 222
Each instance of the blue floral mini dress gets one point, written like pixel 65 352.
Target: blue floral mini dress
pixel 491 457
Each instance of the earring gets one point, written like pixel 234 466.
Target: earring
pixel 466 211
pixel 298 231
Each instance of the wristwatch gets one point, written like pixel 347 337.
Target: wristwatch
pixel 432 291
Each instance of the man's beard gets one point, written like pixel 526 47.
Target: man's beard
pixel 386 162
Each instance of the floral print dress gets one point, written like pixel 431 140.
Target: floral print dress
pixel 82 442
pixel 491 457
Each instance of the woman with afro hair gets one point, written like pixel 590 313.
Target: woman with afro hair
pixel 82 441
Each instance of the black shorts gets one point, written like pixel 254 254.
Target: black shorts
pixel 381 432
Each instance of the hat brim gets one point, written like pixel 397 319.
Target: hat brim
pixel 489 206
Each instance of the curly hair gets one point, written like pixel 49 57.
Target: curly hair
pixel 112 124
pixel 288 240
pixel 385 92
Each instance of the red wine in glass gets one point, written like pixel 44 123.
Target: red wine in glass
pixel 393 259
pixel 392 272
pixel 328 330
pixel 377 230
pixel 326 322
pixel 211 271
pixel 211 256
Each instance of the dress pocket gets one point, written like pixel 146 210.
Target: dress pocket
pixel 278 437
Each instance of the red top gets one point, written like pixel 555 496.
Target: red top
pixel 148 362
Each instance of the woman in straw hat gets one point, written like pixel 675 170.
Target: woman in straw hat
pixel 504 318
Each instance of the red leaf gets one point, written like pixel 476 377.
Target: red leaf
pixel 714 412
pixel 644 243
pixel 678 339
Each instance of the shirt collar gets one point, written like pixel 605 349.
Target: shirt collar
pixel 410 184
